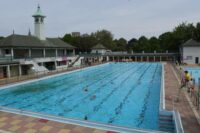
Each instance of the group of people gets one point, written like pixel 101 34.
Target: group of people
pixel 186 82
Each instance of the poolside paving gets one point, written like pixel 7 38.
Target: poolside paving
pixel 189 120
pixel 23 124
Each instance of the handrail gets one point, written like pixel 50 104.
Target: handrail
pixel 178 122
pixel 41 74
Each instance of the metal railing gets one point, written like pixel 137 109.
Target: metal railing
pixel 194 91
pixel 35 75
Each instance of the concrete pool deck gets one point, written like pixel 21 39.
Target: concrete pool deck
pixel 23 124
pixel 189 121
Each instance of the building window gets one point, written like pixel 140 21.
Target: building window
pixel 36 20
pixel 7 51
pixel 189 57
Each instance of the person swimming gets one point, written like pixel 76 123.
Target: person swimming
pixel 85 118
pixel 86 89
pixel 93 97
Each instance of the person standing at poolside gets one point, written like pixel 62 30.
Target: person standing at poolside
pixel 184 83
pixel 187 79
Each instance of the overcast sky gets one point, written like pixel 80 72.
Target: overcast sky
pixel 124 18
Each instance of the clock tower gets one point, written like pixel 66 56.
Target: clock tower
pixel 39 24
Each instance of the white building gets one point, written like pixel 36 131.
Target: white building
pixel 100 49
pixel 190 52
pixel 27 54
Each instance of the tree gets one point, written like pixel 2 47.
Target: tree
pixel 154 44
pixel 1 37
pixel 132 45
pixel 120 45
pixel 170 41
pixel 167 41
pixel 143 44
pixel 104 37
pixel 67 38
pixel 197 32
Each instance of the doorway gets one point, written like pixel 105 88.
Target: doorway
pixel 196 60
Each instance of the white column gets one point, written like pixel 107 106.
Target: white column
pixel 55 64
pixel 107 58
pixel 73 51
pixel 160 58
pixel 147 58
pixel 8 71
pixel 136 58
pixel 65 52
pixel 12 53
pixel 44 53
pixel 29 53
pixel 154 58
pixel 20 70
pixel 141 58
pixel 56 52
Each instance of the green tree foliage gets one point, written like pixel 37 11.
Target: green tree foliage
pixel 104 37
pixel 132 45
pixel 120 45
pixel 170 41
pixel 1 37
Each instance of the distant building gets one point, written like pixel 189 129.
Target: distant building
pixel 76 34
pixel 85 35
pixel 27 54
pixel 190 52
pixel 100 49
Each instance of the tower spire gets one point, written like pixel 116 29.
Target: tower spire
pixel 38 7
pixel 29 32
pixel 39 23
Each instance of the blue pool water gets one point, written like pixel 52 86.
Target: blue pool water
pixel 125 94
pixel 195 73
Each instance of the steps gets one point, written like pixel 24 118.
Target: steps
pixel 166 123
pixel 72 64
pixel 37 68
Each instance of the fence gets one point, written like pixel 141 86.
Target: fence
pixel 41 74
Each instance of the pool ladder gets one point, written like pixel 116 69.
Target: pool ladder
pixel 166 123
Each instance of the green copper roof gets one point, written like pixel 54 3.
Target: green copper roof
pixel 38 12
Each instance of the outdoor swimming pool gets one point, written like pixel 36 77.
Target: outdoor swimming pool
pixel 125 94
pixel 195 73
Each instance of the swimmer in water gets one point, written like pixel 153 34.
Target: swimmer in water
pixel 86 89
pixel 93 97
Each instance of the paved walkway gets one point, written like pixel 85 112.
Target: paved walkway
pixel 189 121
pixel 22 124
